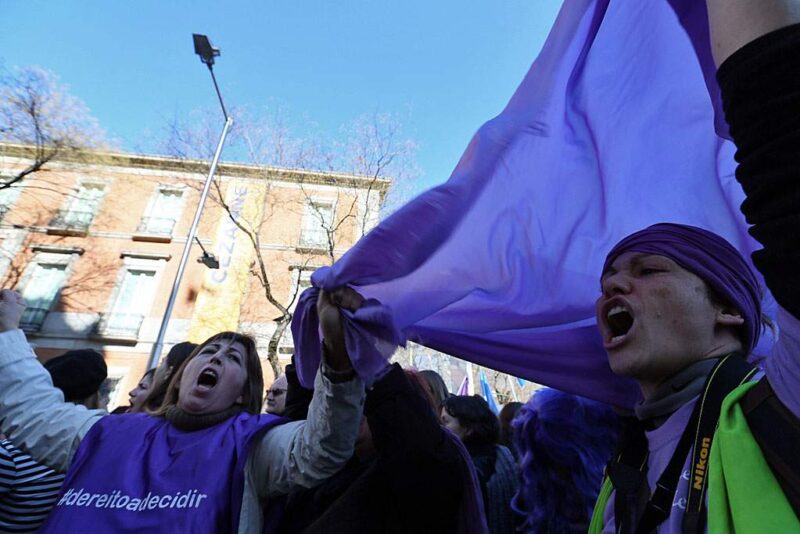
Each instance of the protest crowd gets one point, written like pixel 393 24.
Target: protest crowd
pixel 348 442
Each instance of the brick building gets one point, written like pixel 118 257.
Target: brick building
pixel 93 245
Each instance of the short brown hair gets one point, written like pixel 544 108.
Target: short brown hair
pixel 254 385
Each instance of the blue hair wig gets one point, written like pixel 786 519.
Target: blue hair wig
pixel 564 443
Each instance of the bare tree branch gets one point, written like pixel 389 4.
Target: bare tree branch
pixel 370 150
pixel 39 112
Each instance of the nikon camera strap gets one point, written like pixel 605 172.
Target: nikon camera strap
pixel 731 371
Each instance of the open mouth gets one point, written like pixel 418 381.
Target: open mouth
pixel 208 379
pixel 619 321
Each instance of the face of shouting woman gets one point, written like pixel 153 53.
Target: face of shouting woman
pixel 656 318
pixel 214 379
pixel 138 395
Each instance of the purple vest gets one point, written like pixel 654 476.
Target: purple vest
pixel 138 473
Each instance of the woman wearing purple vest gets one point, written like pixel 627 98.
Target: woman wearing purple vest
pixel 207 461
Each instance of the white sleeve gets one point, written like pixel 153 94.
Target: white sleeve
pixel 304 453
pixel 33 413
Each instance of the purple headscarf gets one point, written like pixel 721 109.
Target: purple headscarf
pixel 708 256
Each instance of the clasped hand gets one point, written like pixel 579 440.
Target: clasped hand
pixel 331 322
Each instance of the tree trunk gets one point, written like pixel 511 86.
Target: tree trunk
pixel 281 324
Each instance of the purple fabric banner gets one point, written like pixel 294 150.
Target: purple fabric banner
pixel 612 130
pixel 371 335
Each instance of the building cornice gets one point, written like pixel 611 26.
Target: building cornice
pixel 227 169
pixel 177 240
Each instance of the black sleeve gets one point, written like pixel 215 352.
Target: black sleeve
pixel 415 454
pixel 761 96
pixel 399 418
pixel 298 398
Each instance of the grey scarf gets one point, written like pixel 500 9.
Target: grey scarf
pixel 682 387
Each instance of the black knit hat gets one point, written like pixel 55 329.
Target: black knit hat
pixel 179 352
pixel 78 373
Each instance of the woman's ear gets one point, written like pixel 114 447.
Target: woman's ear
pixel 729 316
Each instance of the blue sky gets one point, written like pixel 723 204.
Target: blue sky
pixel 444 67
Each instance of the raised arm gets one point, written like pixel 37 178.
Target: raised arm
pixel 759 42
pixel 760 86
pixel 734 23
pixel 33 413
pixel 402 422
pixel 304 453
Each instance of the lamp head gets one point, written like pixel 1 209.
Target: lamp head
pixel 204 49
pixel 209 260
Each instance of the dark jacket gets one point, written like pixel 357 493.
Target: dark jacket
pixel 298 398
pixel 414 484
pixel 498 476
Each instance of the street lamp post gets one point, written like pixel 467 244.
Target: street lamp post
pixel 207 53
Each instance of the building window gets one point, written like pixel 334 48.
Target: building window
pixel 82 209
pixel 110 392
pixel 40 292
pixel 163 213
pixel 301 280
pixel 8 197
pixel 317 220
pixel 132 302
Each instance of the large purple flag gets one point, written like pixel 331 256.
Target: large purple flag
pixel 612 129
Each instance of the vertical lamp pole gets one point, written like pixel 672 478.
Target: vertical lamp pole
pixel 207 53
